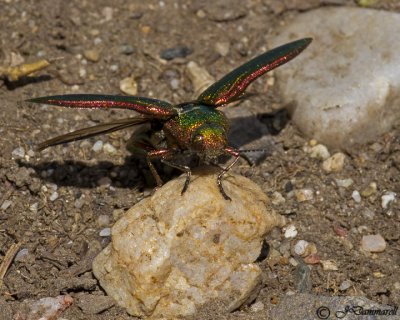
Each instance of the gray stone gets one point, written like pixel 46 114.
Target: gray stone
pixel 373 243
pixel 345 87
pixel 171 253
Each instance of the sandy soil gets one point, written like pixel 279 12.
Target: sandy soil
pixel 59 200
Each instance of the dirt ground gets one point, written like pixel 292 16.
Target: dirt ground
pixel 55 203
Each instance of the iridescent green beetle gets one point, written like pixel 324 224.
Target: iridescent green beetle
pixel 196 126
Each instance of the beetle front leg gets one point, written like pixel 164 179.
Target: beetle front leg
pixel 235 154
pixel 157 154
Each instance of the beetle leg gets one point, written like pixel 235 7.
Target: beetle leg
pixel 235 154
pixel 185 169
pixel 156 154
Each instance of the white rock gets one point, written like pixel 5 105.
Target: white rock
pixel 53 196
pixel 18 152
pixel 387 198
pixel 373 243
pixel 300 247
pixel 345 87
pixel 334 163
pixel 98 146
pixel 172 253
pixel 106 232
pixel 356 196
pixel 290 231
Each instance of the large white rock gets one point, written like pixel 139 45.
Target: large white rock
pixel 171 254
pixel 345 87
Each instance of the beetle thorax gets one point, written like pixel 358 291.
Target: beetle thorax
pixel 199 128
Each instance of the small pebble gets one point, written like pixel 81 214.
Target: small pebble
pixel 103 220
pixel 300 247
pixel 199 77
pixel 273 257
pixel 356 196
pixel 346 284
pixel 312 259
pixel 341 232
pixel 373 243
pixel 106 232
pixel 18 152
pixel 345 183
pixel 6 204
pixel 117 213
pixel 31 153
pixel 98 146
pixel 257 306
pixel 304 195
pixel 97 41
pixel 320 152
pixel 94 32
pixel 329 265
pixel 107 13
pixel 104 181
pixel 293 262
pixel 387 198
pixel 92 55
pixel 82 72
pixel 304 248
pixel 201 14
pixel 114 68
pixel 52 186
pixel 313 142
pixel 335 163
pixel 21 254
pixel 146 29
pixel 222 48
pixel 277 198
pixel 54 196
pixel 78 204
pixel 127 49
pixel 176 52
pixel 378 274
pixel 109 148
pixel 370 190
pixel 290 231
pixel 129 86
pixel 175 84
pixel 368 214
pixel 34 207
